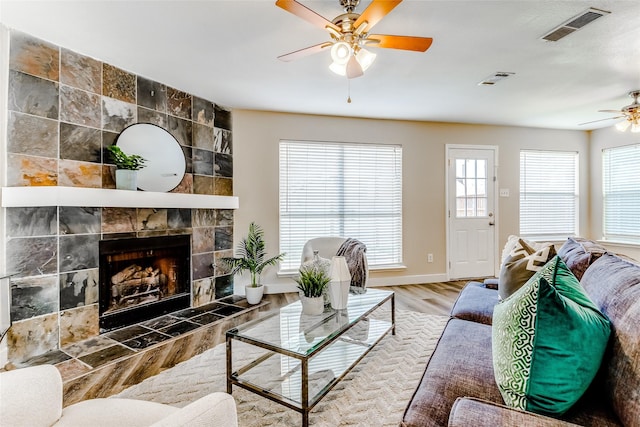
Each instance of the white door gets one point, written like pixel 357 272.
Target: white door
pixel 471 212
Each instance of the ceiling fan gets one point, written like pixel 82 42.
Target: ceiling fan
pixel 350 35
pixel 630 113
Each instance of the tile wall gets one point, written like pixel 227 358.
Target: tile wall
pixel 64 109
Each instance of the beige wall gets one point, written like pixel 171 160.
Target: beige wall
pixel 256 136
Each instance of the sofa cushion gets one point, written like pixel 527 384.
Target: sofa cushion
pixel 520 265
pixel 579 254
pixel 548 342
pixel 475 303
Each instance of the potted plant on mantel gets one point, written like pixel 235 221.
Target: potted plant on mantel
pixel 312 281
pixel 251 256
pixel 127 167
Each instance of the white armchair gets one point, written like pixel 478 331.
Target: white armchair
pixel 33 397
pixel 327 248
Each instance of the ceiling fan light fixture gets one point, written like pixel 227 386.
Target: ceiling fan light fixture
pixel 354 69
pixel 339 69
pixel 365 58
pixel 341 52
pixel 623 125
pixel 635 127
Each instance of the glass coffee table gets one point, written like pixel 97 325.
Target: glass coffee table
pixel 295 359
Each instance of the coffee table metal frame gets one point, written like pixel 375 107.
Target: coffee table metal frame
pixel 334 335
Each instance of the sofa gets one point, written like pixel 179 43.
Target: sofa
pixel 458 386
pixel 32 397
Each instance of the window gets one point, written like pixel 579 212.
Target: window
pixel 548 194
pixel 471 188
pixel 621 193
pixel 341 189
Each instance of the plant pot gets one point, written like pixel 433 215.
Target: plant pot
pixel 312 305
pixel 126 179
pixel 254 293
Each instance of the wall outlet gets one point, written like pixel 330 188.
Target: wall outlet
pixel 429 257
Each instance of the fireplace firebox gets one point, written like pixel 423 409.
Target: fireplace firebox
pixel 142 278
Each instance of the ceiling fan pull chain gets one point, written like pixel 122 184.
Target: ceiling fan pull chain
pixel 349 91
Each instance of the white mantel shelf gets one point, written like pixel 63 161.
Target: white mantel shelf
pixel 11 197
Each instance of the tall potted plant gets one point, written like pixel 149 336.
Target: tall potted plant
pixel 250 257
pixel 127 167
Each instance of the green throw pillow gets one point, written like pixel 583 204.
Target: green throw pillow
pixel 548 342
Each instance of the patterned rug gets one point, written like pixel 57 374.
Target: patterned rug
pixel 374 393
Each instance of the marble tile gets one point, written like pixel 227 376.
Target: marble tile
pixel 77 220
pixel 34 56
pixel 125 334
pixel 33 95
pixel 182 130
pixel 108 176
pixel 107 355
pixel 80 107
pixel 224 287
pixel 152 95
pixel 78 324
pixel 207 318
pixel 118 84
pixel 79 288
pixel 25 171
pixel 117 115
pixel 222 186
pixel 145 341
pixel 223 165
pixel 80 143
pixel 52 357
pixel 88 346
pixel 202 137
pixel 152 219
pixel 79 174
pixel 202 162
pixel 222 141
pixel 202 266
pixel 146 115
pixel 151 233
pixel 202 240
pixel 185 186
pixel 223 238
pixel 32 135
pixel 72 369
pixel 203 217
pixel 178 103
pixel 187 151
pixel 32 337
pixel 119 220
pixel 203 111
pixel 190 312
pixel 160 322
pixel 202 184
pixel 80 71
pixel 229 309
pixel 179 328
pixel 222 268
pixel 203 292
pixel 23 222
pixel 32 256
pixel 222 117
pixel 179 218
pixel 33 296
pixel 224 217
pixel 78 252
pixel 238 300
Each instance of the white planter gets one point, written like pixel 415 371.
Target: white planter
pixel 254 294
pixel 126 179
pixel 312 306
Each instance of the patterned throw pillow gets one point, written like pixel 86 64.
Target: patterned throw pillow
pixel 521 263
pixel 548 340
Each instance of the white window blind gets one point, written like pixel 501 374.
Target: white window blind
pixel 341 189
pixel 548 194
pixel 621 192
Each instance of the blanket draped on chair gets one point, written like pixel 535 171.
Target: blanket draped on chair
pixel 354 252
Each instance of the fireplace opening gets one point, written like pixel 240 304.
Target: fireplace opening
pixel 142 278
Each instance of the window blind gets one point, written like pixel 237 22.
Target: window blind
pixel 341 189
pixel 621 193
pixel 548 194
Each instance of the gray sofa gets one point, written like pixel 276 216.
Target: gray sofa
pixel 458 386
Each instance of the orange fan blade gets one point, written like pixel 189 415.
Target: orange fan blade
pixel 377 10
pixel 609 111
pixel 418 44
pixel 303 52
pixel 601 120
pixel 305 13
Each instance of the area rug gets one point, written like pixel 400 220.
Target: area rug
pixel 374 393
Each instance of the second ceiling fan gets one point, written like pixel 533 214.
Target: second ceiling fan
pixel 350 34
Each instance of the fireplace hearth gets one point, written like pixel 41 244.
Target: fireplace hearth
pixel 142 278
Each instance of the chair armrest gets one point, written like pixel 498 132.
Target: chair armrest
pixel 217 409
pixel 468 411
pixel 31 396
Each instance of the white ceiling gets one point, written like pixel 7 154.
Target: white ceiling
pixel 226 51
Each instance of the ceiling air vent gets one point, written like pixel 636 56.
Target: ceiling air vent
pixel 495 78
pixel 574 24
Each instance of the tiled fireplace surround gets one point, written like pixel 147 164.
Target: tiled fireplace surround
pixel 64 109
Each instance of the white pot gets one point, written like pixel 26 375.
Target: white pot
pixel 126 179
pixel 312 306
pixel 254 293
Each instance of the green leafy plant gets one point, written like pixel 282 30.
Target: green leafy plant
pixel 312 281
pixel 132 162
pixel 251 255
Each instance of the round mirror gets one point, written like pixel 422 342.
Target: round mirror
pixel 165 164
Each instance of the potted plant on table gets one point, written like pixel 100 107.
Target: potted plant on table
pixel 251 257
pixel 312 281
pixel 127 167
